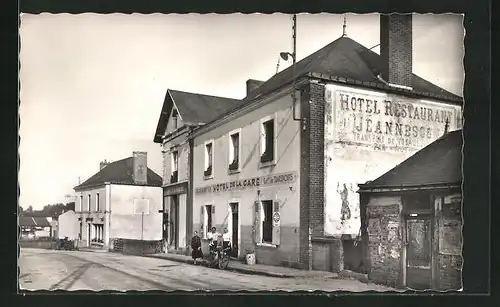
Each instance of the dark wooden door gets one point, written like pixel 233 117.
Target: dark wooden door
pixel 174 222
pixel 235 230
pixel 418 253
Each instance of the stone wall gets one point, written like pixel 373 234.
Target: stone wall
pixel 328 254
pixel 385 243
pixel 450 244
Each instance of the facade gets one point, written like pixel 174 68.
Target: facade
pixel 120 202
pixel 413 228
pixel 181 112
pixel 280 171
pixel 247 180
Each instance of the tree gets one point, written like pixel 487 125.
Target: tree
pixel 70 206
pixel 30 209
pixel 19 209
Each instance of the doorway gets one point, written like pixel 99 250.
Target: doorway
pixel 418 252
pixel 174 222
pixel 89 234
pixel 235 229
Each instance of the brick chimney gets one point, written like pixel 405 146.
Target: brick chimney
pixel 140 165
pixel 396 49
pixel 103 164
pixel 252 85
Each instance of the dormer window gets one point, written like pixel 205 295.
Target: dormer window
pixel 175 115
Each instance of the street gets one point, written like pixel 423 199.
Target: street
pixel 73 270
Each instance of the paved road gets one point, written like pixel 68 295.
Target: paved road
pixel 71 270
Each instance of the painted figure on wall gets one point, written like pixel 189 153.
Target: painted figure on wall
pixel 345 211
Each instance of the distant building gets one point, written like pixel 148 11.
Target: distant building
pixel 181 113
pixel 120 202
pixel 412 232
pixel 34 227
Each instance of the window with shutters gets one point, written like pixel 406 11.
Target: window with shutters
pixel 267 221
pixel 97 204
pixel 89 202
pixel 209 160
pixel 175 167
pixel 81 203
pixel 267 141
pixel 234 150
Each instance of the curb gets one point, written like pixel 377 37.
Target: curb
pixel 247 271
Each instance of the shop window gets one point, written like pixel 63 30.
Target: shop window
pixel 267 141
pixel 234 151
pixel 208 160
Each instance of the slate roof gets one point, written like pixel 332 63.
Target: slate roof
pixel 33 221
pixel 439 163
pixel 345 60
pixel 193 108
pixel 120 172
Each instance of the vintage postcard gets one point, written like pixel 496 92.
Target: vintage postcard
pixel 241 152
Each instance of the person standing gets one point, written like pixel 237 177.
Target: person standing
pixel 226 237
pixel 196 247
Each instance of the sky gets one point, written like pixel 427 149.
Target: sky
pixel 92 86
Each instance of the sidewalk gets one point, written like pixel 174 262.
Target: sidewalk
pixel 256 269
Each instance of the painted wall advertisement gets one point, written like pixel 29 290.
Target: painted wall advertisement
pixel 366 135
pixel 389 122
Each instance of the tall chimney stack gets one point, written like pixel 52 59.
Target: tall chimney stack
pixel 396 49
pixel 252 85
pixel 140 166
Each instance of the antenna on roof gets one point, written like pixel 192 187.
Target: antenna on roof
pixel 278 65
pixel 344 30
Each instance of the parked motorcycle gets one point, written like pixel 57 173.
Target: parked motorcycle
pixel 219 257
pixel 66 244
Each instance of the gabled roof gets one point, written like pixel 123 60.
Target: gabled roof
pixel 120 172
pixel 194 109
pixel 439 163
pixel 348 59
pixel 33 221
pixel 345 60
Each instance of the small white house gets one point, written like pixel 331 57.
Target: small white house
pixel 68 225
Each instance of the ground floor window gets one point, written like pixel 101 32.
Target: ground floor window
pixel 98 233
pixel 208 222
pixel 267 221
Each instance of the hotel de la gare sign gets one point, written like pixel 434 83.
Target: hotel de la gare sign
pixel 386 123
pixel 268 180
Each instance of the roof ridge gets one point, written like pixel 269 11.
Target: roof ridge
pixel 201 94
